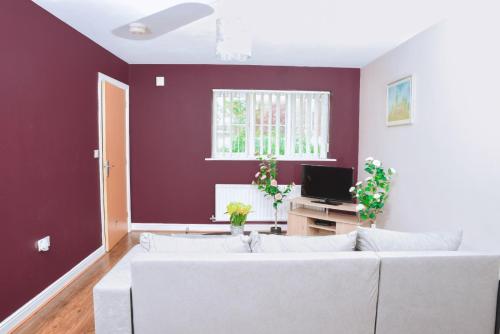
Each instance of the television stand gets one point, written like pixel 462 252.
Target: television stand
pixel 326 201
pixel 305 212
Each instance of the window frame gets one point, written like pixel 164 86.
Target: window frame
pixel 249 154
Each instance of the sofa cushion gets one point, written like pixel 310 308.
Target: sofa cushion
pixel 156 243
pixel 262 243
pixel 379 240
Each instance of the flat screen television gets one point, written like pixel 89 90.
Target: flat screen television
pixel 329 184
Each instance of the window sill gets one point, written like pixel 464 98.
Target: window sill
pixel 278 159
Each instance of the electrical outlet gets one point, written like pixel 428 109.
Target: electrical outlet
pixel 43 244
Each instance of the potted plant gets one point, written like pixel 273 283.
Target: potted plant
pixel 373 192
pixel 238 213
pixel 266 180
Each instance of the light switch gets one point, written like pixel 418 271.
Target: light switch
pixel 160 81
pixel 43 244
pixel 96 154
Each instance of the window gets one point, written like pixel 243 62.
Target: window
pixel 287 124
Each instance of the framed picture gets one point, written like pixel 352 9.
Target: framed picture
pixel 400 102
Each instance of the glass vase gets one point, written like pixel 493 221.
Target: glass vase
pixel 237 229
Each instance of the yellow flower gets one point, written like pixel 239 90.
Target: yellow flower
pixel 238 208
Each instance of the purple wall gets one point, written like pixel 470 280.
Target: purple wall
pixel 170 133
pixel 48 129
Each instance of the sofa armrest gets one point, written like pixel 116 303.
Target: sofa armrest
pixel 112 310
pixel 112 298
pixel 437 293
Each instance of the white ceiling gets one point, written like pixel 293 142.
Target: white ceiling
pixel 331 33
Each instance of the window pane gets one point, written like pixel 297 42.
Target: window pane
pixel 282 141
pixel 265 141
pixel 285 124
pixel 239 111
pixel 272 138
pixel 238 139
pixel 257 139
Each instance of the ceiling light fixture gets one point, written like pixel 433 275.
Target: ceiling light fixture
pixel 233 44
pixel 234 38
pixel 137 28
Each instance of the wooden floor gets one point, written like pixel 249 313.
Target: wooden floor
pixel 72 311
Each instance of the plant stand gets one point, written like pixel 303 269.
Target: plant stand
pixel 275 229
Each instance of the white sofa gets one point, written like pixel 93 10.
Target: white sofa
pixel 112 297
pixel 338 292
pixel 437 293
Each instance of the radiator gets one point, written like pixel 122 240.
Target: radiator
pixel 262 207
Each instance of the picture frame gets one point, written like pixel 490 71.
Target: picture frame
pixel 400 101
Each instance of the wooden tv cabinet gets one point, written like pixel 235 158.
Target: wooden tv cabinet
pixel 304 213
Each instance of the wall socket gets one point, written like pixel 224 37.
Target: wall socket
pixel 43 244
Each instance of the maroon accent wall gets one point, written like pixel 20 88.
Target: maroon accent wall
pixel 48 129
pixel 170 133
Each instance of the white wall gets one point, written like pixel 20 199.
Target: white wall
pixel 449 159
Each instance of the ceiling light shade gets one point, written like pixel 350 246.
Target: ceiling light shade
pixel 234 38
pixel 137 28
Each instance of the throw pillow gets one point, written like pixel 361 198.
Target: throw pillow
pixel 380 240
pixel 157 243
pixel 262 243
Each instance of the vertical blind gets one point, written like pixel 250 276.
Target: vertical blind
pixel 286 124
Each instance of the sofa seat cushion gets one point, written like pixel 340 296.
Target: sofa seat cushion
pixel 380 240
pixel 156 243
pixel 262 243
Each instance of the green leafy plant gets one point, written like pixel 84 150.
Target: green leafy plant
pixel 373 192
pixel 266 180
pixel 238 213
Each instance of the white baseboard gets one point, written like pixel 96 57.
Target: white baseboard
pixel 199 227
pixel 39 300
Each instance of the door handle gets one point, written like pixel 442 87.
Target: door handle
pixel 107 166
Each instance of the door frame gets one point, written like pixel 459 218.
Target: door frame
pixel 101 78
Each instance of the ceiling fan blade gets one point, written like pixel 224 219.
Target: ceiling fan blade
pixel 166 20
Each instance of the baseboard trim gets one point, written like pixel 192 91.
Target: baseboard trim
pixel 199 227
pixel 25 311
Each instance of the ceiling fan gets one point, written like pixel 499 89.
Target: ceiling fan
pixel 233 39
pixel 164 21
